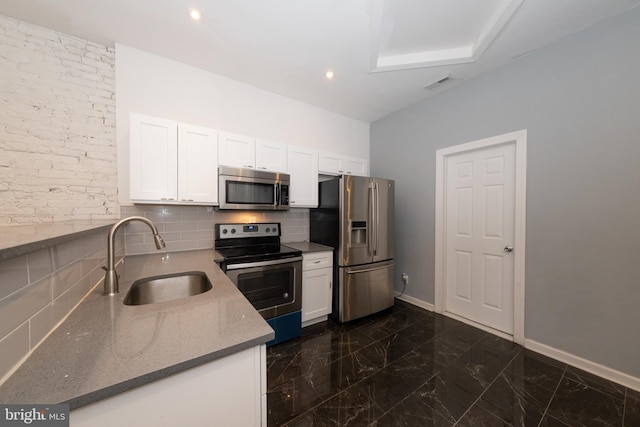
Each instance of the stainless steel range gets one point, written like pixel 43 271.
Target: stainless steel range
pixel 267 273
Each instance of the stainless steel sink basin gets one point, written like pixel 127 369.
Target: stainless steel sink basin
pixel 166 288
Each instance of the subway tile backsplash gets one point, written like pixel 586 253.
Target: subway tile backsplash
pixel 39 289
pixel 192 227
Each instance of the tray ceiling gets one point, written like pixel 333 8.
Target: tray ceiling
pixel 382 52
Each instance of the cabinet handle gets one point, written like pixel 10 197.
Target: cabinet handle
pixel 167 198
pixel 329 284
pixel 248 166
pixel 317 262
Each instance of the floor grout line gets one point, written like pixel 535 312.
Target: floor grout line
pixel 546 410
pixel 487 388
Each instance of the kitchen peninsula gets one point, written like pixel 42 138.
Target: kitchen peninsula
pixel 105 348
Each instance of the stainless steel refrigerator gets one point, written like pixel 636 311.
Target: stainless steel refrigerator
pixel 355 216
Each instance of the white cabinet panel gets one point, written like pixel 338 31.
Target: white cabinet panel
pixel 336 164
pixel 303 169
pixel 330 164
pixel 153 158
pixel 271 156
pixel 317 286
pixel 172 162
pixel 236 150
pixel 355 166
pixel 197 161
pixel 225 392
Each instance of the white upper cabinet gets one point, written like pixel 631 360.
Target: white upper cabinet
pixel 236 150
pixel 355 166
pixel 303 169
pixel 336 164
pixel 271 156
pixel 172 162
pixel 197 161
pixel 153 157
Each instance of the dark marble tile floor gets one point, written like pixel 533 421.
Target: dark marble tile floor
pixel 409 367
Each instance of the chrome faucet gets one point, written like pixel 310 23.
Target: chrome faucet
pixel 111 277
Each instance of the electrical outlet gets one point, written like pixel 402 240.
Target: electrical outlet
pixel 405 278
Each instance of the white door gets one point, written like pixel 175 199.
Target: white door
pixel 479 236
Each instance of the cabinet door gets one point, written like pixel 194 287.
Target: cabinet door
pixel 336 164
pixel 153 158
pixel 236 150
pixel 355 166
pixel 225 392
pixel 303 169
pixel 271 156
pixel 330 164
pixel 197 164
pixel 316 293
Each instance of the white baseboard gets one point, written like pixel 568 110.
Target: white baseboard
pixel 415 301
pixel 584 364
pixel 560 355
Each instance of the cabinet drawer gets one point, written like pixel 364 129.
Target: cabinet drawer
pixel 313 261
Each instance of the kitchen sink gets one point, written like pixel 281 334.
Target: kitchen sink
pixel 169 287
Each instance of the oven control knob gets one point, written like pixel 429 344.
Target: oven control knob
pixel 268 229
pixel 285 295
pixel 225 231
pixel 233 231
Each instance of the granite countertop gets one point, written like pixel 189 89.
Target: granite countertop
pixel 105 347
pixel 307 247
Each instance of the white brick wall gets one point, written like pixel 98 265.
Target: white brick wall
pixel 57 127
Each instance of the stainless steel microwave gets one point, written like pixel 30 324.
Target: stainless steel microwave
pixel 248 189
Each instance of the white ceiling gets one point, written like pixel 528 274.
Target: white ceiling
pixel 383 52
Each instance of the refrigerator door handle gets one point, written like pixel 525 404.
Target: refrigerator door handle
pixel 377 219
pixel 372 269
pixel 372 221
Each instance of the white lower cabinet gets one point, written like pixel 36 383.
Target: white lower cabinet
pixel 230 391
pixel 317 286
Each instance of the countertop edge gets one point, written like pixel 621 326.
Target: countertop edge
pixel 308 247
pixel 123 387
pixel 35 243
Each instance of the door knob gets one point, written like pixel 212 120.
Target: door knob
pixel 508 248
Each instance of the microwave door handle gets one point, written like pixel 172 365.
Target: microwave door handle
pixel 276 196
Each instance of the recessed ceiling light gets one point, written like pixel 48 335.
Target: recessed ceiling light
pixel 329 74
pixel 195 14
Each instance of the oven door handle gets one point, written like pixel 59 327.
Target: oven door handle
pixel 263 263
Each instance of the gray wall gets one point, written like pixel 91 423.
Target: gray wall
pixel 579 99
